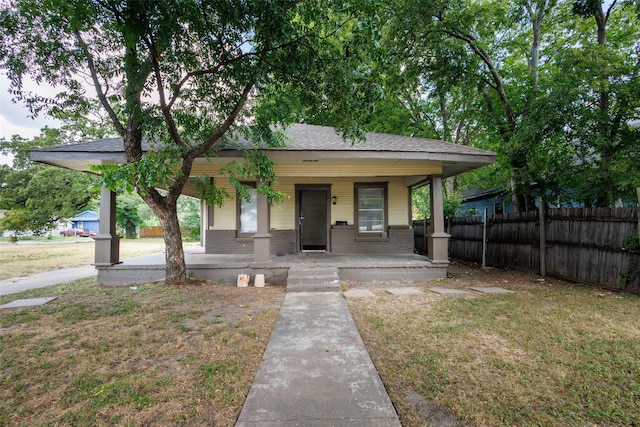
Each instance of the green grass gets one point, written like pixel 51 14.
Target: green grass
pixel 157 355
pixel 549 356
pixel 217 375
pixel 24 259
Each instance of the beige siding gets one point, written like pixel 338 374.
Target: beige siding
pixel 331 169
pixel 343 210
pixel 398 202
pixel 355 170
pixel 283 216
pixel 342 188
pixel 224 218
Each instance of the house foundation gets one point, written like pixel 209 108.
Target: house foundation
pixel 221 268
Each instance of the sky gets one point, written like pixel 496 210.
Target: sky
pixel 16 118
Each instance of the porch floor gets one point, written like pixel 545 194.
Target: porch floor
pixel 226 267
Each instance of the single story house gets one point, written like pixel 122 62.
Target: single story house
pixel 496 200
pixel 89 220
pixel 343 198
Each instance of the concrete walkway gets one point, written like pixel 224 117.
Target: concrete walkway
pixel 316 370
pixel 48 278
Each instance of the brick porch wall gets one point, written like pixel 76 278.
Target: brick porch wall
pixel 344 241
pixel 225 242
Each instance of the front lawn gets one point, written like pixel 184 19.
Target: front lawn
pixel 551 353
pixel 44 255
pixel 152 355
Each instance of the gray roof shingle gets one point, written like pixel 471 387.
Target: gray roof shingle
pixel 303 137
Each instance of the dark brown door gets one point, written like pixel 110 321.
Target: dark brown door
pixel 312 219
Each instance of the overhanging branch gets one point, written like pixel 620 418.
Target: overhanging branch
pixel 98 86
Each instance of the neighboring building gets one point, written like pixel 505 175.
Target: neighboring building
pixel 496 200
pixel 86 220
pixel 343 198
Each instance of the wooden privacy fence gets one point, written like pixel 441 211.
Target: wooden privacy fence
pixel 585 245
pixel 153 231
pixel 420 230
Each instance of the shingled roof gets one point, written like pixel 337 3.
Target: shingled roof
pixel 301 137
pixel 321 141
pixel 304 137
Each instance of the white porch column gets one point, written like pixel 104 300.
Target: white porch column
pixel 107 251
pixel 437 240
pixel 262 239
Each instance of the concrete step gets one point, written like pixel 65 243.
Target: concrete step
pixel 313 280
pixel 312 271
pixel 317 287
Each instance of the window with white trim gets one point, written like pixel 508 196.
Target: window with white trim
pixel 371 209
pixel 248 213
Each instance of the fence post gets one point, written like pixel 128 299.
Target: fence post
pixel 543 238
pixel 484 238
pixel 638 214
pixel 424 237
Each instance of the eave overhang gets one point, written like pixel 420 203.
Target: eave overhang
pixel 452 164
pixel 311 151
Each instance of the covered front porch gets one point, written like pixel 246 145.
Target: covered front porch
pixel 351 201
pixel 224 268
pixel 398 262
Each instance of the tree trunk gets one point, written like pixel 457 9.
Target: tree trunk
pixel 175 269
pixel 131 232
pixel 166 210
pixel 605 129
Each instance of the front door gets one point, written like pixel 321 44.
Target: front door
pixel 312 219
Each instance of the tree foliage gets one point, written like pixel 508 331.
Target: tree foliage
pixel 127 216
pixel 188 76
pixel 38 196
pixel 597 86
pixel 189 213
pixel 551 86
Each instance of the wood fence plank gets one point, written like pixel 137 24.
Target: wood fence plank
pixel 583 244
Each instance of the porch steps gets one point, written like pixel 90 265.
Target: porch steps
pixel 313 279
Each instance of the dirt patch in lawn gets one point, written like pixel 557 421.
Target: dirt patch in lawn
pixel 550 353
pixel 151 355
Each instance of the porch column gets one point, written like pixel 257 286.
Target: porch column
pixel 206 221
pixel 107 251
pixel 203 222
pixel 437 240
pixel 262 239
pixel 206 218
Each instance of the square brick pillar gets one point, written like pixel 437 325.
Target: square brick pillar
pixel 437 240
pixel 107 251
